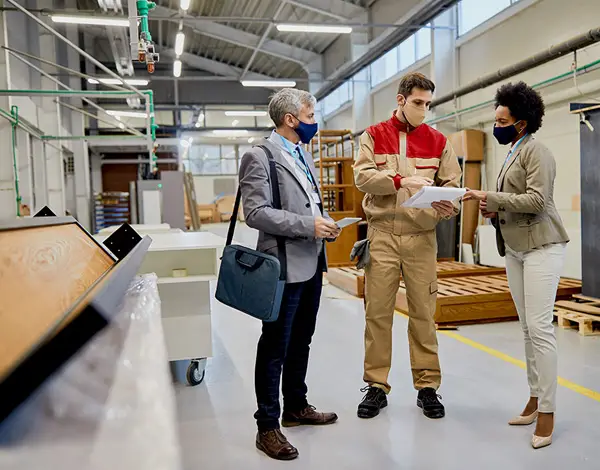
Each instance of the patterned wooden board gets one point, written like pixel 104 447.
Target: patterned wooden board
pixel 473 299
pixel 43 271
pixel 352 280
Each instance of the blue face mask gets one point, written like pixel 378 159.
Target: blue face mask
pixel 306 131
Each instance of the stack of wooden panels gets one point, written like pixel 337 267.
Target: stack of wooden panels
pixel 478 299
pixel 352 280
pixel 581 313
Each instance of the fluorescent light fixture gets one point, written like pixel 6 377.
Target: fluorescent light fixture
pixel 91 20
pixel 230 132
pixel 250 140
pixel 121 125
pixel 177 68
pixel 184 4
pixel 114 81
pixel 249 113
pixel 270 83
pixel 314 28
pixel 133 114
pixel 179 40
pixel 234 123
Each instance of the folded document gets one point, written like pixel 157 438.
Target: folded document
pixel 429 194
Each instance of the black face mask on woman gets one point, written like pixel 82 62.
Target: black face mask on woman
pixel 505 135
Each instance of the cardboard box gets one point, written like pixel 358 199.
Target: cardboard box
pixel 469 143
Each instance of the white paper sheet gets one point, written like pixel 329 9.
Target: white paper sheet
pixel 347 221
pixel 429 194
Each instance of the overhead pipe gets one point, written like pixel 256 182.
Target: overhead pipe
pixel 553 52
pixel 595 65
pixel 70 43
pixel 129 129
pixel 16 53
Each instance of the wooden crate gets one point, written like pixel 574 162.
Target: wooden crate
pixel 581 313
pixel 351 280
pixel 478 299
pixel 456 268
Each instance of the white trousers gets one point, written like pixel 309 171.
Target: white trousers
pixel 533 278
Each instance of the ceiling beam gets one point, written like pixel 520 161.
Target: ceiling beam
pixel 240 38
pixel 337 9
pixel 213 66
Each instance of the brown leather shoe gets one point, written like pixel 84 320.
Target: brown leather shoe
pixel 309 416
pixel 275 445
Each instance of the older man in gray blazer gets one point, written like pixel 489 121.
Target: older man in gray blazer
pixel 284 344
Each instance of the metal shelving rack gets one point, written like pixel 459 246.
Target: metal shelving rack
pixel 110 208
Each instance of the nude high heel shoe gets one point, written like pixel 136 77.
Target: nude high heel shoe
pixel 524 420
pixel 538 442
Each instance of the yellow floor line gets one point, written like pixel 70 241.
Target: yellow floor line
pixel 586 392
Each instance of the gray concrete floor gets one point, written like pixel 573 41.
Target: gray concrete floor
pixel 480 391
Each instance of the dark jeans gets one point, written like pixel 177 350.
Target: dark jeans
pixel 285 345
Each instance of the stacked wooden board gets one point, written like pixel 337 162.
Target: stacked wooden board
pixel 581 313
pixel 478 299
pixel 468 293
pixel 352 280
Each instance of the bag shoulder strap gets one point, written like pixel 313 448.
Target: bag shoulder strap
pixel 276 205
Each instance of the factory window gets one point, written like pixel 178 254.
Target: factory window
pixel 337 98
pixel 423 37
pixel 472 13
pixel 214 159
pixel 412 49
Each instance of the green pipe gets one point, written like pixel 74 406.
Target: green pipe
pixel 14 112
pixel 543 83
pixel 143 6
pixel 89 137
pixel 67 92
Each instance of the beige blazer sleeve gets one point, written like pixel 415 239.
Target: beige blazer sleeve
pixel 367 177
pixel 449 172
pixel 540 170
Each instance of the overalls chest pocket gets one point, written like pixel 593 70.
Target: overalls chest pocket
pixel 386 162
pixel 427 167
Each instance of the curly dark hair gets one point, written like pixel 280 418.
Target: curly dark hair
pixel 524 104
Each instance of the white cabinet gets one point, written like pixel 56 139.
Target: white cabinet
pixel 185 301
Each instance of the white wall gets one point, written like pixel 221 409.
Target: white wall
pixel 205 190
pixel 525 29
pixel 487 49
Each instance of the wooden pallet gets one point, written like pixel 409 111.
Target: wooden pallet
pixel 478 299
pixel 352 280
pixel 581 313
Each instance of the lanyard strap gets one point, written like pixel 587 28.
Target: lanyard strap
pixel 299 160
pixel 513 150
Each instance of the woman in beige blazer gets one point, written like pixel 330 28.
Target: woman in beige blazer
pixel 530 233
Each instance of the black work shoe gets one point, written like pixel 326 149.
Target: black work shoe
pixel 428 400
pixel 374 400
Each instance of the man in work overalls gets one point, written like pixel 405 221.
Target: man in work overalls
pixel 397 158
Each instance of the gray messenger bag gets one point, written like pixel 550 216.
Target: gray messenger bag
pixel 251 281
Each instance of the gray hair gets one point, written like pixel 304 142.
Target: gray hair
pixel 289 100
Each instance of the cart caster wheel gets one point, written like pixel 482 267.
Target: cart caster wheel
pixel 195 374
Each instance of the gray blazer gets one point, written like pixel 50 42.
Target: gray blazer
pixel 294 221
pixel 527 216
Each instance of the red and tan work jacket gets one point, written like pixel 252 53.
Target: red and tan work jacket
pixel 389 152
